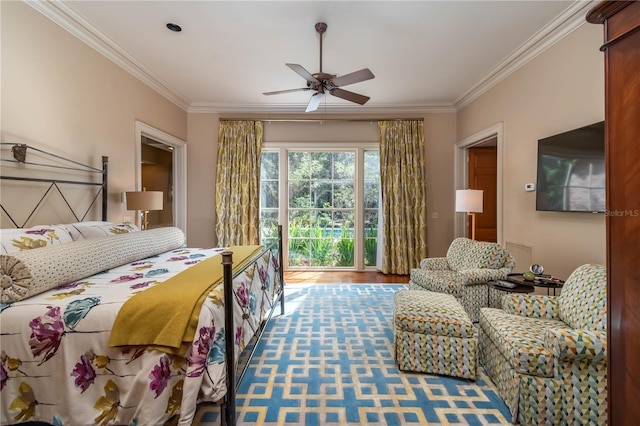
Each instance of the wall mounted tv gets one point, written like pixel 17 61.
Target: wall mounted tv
pixel 571 173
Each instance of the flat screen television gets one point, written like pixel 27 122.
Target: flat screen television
pixel 571 171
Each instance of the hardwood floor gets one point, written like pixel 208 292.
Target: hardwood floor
pixel 324 277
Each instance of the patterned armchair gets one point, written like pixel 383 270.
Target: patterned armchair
pixel 464 272
pixel 547 355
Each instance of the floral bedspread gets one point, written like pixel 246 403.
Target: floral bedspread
pixel 57 366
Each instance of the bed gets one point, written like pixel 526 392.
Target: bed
pixel 101 323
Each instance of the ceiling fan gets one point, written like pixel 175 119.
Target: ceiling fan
pixel 322 82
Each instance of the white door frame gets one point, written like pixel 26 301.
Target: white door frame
pixel 461 174
pixel 179 168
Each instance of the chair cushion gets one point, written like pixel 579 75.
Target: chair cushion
pixel 440 281
pixel 464 254
pixel 428 312
pixel 583 300
pixel 522 340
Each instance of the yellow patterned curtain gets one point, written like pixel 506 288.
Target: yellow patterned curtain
pixel 238 183
pixel 404 204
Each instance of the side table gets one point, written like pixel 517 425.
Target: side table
pixel 549 284
pixel 496 292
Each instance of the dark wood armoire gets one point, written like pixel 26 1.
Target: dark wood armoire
pixel 621 48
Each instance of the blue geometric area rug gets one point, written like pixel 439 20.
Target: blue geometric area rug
pixel 330 361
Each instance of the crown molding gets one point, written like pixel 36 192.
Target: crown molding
pixel 564 24
pixel 71 21
pixel 296 108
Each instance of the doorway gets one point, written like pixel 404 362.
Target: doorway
pixel 483 176
pixel 157 175
pixel 461 174
pixel 149 142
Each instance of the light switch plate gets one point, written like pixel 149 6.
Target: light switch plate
pixel 530 187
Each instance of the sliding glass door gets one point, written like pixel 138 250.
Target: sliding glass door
pixel 327 200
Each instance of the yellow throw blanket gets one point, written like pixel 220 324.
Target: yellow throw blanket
pixel 165 316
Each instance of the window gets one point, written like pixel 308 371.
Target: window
pixel 269 197
pixel 328 201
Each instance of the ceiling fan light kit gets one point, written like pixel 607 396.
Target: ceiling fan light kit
pixel 322 82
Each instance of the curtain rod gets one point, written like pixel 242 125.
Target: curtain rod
pixel 321 120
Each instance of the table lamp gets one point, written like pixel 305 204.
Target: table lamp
pixel 470 202
pixel 145 200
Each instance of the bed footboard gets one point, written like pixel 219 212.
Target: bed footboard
pixel 233 379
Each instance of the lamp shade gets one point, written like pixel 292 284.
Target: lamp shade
pixel 145 200
pixel 469 200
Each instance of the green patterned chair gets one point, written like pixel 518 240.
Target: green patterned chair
pixel 547 355
pixel 464 272
pixel 433 334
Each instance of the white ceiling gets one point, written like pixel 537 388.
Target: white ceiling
pixel 426 55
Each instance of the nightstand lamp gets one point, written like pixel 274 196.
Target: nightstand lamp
pixel 470 202
pixel 145 201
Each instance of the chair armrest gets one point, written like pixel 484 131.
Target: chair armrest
pixel 482 275
pixel 577 345
pixel 531 305
pixel 434 263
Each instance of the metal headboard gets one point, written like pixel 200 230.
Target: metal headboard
pixel 19 152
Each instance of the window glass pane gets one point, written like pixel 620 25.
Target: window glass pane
pixel 343 221
pixel 321 165
pixel 371 164
pixel 371 206
pixel 321 193
pixel 324 222
pixel 299 194
pixel 371 194
pixel 269 194
pixel 343 165
pixel 370 246
pixel 344 195
pixel 268 226
pixel 300 221
pixel 299 165
pixel 345 250
pixel 269 165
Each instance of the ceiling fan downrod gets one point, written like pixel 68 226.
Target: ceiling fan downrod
pixel 321 27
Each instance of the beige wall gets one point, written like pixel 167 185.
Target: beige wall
pixel 439 138
pixel 61 95
pixel 202 154
pixel 560 90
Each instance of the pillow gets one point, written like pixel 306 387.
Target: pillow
pixel 19 239
pixel 75 234
pixel 32 272
pixel 84 232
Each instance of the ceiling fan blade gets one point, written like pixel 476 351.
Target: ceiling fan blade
pixel 350 96
pixel 314 102
pixel 354 77
pixel 299 69
pixel 277 92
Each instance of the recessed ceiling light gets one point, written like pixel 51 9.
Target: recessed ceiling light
pixel 174 27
